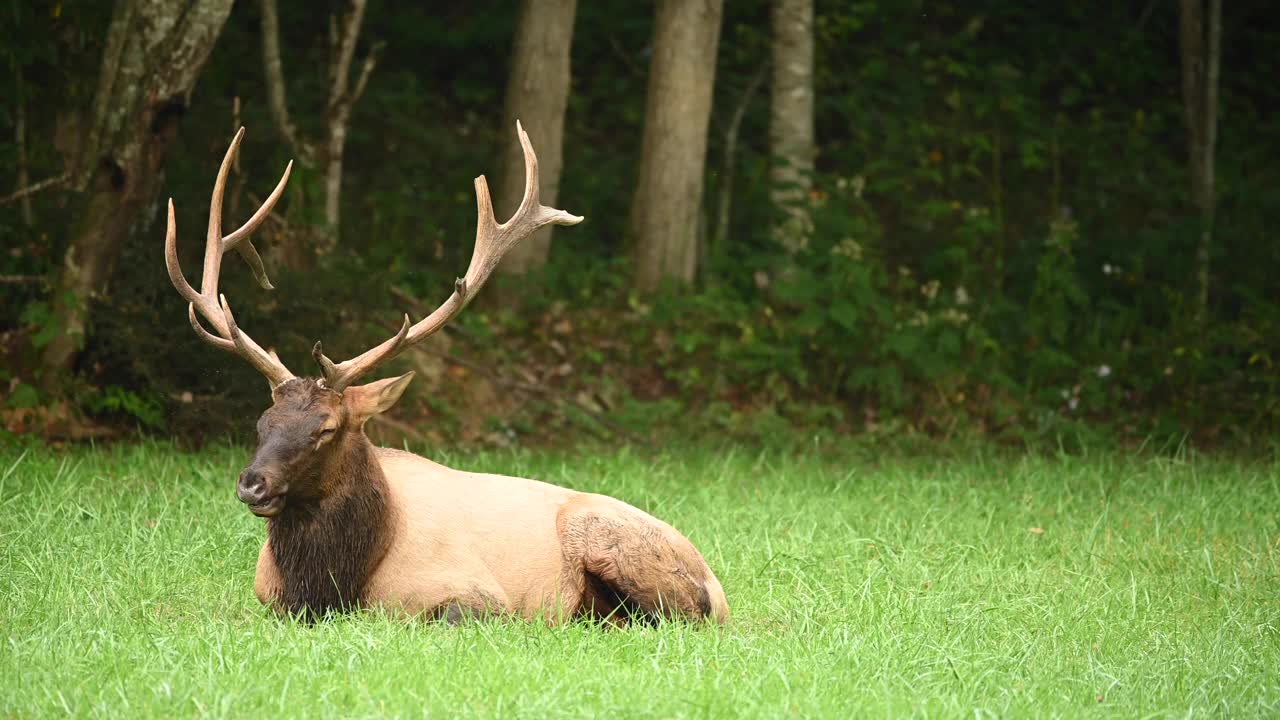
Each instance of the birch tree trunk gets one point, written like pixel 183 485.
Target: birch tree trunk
pixel 155 50
pixel 1201 47
pixel 537 93
pixel 663 224
pixel 791 133
pixel 343 36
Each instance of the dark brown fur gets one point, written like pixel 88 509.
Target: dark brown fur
pixel 328 542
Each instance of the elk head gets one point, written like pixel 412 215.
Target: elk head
pixel 314 423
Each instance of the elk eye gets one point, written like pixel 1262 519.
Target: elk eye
pixel 325 433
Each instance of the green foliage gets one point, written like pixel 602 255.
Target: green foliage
pixel 146 409
pixel 1002 240
pixel 22 396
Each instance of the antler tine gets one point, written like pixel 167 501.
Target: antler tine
pixel 532 186
pixel 213 238
pixel 208 303
pixel 194 299
pixel 239 240
pixel 171 260
pixel 492 242
pixel 205 335
pixel 339 376
pixel 266 363
pixel 231 241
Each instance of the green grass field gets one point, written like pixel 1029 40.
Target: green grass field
pixel 967 586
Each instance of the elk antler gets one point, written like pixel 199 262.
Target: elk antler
pixel 492 241
pixel 212 306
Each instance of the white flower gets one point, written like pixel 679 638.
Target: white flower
pixel 1073 403
pixel 849 248
pixel 962 296
pixel 930 289
pixel 1104 370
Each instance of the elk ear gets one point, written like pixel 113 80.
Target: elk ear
pixel 365 401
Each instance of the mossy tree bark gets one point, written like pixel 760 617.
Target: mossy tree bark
pixel 154 52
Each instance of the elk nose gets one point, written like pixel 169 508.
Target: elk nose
pixel 252 487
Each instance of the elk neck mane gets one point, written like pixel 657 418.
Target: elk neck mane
pixel 327 547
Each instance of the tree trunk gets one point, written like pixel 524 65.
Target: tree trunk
pixel 663 226
pixel 334 150
pixel 1201 54
pixel 720 235
pixel 791 133
pixel 537 93
pixel 342 98
pixel 20 140
pixel 154 52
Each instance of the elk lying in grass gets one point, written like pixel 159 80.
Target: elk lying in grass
pixel 352 525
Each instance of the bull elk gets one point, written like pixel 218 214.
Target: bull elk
pixel 352 525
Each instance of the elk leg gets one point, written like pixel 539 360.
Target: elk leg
pixel 266 581
pixel 467 606
pixel 454 613
pixel 632 565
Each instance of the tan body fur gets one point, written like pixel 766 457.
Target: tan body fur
pixel 483 543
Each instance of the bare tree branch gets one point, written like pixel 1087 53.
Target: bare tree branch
pixel 37 187
pixel 730 158
pixel 341 62
pixel 344 35
pixel 632 66
pixel 276 89
pixel 20 140
pixel 370 61
pixel 1213 65
pixel 333 50
pixel 23 280
pixel 1201 45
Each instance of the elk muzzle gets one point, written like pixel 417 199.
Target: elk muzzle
pixel 261 492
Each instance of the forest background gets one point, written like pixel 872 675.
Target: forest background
pixel 1037 224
